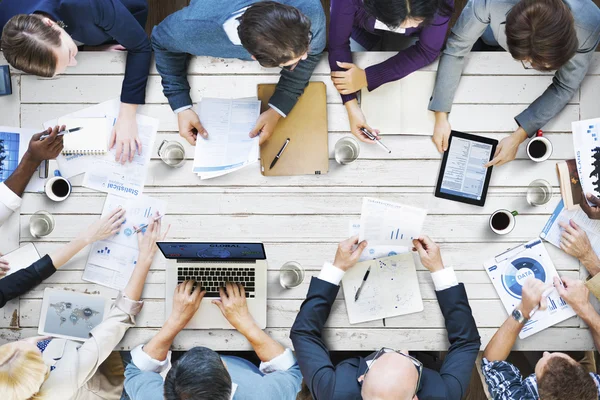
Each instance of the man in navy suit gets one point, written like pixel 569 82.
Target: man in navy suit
pixel 386 374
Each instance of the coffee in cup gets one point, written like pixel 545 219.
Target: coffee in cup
pixel 58 188
pixel 503 222
pixel 539 148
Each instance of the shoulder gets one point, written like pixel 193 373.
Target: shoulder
pixel 587 23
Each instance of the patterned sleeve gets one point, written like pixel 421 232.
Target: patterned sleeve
pixel 504 380
pixel 596 379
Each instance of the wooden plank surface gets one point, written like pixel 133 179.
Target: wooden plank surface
pixel 303 218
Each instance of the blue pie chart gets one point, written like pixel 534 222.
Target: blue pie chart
pixel 518 272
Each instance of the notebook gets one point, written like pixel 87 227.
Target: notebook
pixel 21 258
pixel 91 139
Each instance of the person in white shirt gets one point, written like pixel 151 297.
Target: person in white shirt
pixel 12 189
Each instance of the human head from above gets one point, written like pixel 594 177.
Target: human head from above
pixel 407 13
pixel 37 45
pixel 275 34
pixel 198 374
pixel 560 377
pixel 541 33
pixel 391 375
pixel 22 370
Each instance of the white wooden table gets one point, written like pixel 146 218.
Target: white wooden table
pixel 302 218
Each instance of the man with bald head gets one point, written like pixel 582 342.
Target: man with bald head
pixel 386 374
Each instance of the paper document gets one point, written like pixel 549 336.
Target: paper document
pixel 392 289
pixel 228 147
pixel 383 223
pixel 92 138
pixel 21 258
pixel 509 271
pixel 112 261
pixel 372 252
pixel 552 231
pixel 586 141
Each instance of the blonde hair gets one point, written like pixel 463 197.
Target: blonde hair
pixel 22 373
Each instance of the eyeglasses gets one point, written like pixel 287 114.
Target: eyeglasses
pixel 526 64
pixel 418 364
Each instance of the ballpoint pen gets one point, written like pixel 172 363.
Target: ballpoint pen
pixel 63 132
pixel 141 228
pixel 362 284
pixel 545 294
pixel 374 138
pixel 280 153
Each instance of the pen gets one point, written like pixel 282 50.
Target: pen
pixel 63 132
pixel 373 137
pixel 280 153
pixel 141 228
pixel 544 295
pixel 362 284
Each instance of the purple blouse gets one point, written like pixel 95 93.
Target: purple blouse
pixel 349 15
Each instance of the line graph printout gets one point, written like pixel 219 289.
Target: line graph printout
pixel 384 223
pixel 391 290
pixel 111 261
pixel 586 141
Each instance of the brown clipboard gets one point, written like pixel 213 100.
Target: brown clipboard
pixel 306 127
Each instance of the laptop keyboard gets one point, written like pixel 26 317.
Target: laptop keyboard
pixel 212 279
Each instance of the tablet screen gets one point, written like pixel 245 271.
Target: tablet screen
pixel 465 175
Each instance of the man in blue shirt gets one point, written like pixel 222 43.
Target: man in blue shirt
pixel 201 373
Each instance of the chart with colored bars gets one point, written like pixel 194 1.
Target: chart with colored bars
pixel 552 303
pixel 396 235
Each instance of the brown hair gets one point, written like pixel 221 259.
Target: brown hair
pixel 543 32
pixel 274 33
pixel 27 44
pixel 563 379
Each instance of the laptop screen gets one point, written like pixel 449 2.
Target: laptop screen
pixel 212 251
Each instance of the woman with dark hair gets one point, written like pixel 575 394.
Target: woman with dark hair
pixel 41 37
pixel 358 25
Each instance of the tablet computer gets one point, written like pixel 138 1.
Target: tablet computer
pixel 462 175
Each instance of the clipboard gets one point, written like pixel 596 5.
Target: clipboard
pixel 306 126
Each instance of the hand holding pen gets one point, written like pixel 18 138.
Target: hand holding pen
pixel 144 226
pixel 374 138
pixel 63 132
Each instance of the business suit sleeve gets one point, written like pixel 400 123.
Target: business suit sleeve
pixel 311 351
pixel 26 279
pixel 464 341
pixel 119 22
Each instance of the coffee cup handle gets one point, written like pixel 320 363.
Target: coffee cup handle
pixel 514 213
pixel 539 133
pixel 161 146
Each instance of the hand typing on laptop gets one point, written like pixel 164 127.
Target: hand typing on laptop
pixel 234 307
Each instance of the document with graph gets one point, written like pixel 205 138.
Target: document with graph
pixel 586 141
pixel 111 261
pixel 384 223
pixel 391 289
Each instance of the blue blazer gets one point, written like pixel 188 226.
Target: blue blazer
pixel 96 22
pixel 339 382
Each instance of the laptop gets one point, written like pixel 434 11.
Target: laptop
pixel 212 265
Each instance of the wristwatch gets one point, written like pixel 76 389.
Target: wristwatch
pixel 518 316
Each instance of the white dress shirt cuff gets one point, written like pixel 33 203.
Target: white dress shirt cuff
pixel 9 198
pixel 444 279
pixel 278 110
pixel 180 109
pixel 282 362
pixel 146 363
pixel 332 274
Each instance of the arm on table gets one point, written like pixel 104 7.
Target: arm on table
pixel 577 295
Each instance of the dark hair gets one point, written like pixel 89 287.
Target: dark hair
pixel 198 375
pixel 563 379
pixel 394 12
pixel 274 33
pixel 543 32
pixel 27 44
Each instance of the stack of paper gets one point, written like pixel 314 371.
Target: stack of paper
pixel 552 231
pixel 229 146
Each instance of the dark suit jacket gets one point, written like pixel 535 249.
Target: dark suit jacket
pixel 96 22
pixel 26 279
pixel 332 382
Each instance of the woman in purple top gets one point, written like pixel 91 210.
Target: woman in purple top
pixel 363 22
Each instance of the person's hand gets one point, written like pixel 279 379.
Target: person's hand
pixel 265 125
pixel 105 226
pixel 234 307
pixel 441 131
pixel 575 293
pixel 186 302
pixel 532 296
pixel 47 149
pixel 4 267
pixel 429 252
pixel 148 237
pixel 593 212
pixel 125 134
pixel 574 241
pixel 190 126
pixel 357 121
pixel 347 255
pixel 349 81
pixel 507 148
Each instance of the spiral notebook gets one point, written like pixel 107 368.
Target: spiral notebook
pixel 92 138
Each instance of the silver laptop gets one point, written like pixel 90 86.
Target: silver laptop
pixel 213 264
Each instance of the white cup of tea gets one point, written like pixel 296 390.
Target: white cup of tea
pixel 58 188
pixel 502 222
pixel 539 148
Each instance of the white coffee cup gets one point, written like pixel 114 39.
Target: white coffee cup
pixel 58 188
pixel 502 222
pixel 535 148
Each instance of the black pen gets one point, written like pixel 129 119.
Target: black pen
pixel 362 284
pixel 280 153
pixel 63 132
